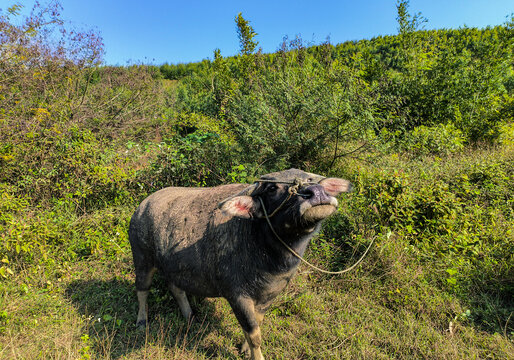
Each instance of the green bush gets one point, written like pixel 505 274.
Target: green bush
pixel 72 164
pixel 442 139
pixel 455 216
pixel 506 136
pixel 197 159
pixel 32 237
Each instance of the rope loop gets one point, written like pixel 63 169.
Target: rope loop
pixel 296 254
pixel 296 185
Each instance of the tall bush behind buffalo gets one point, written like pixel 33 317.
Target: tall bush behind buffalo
pixel 371 91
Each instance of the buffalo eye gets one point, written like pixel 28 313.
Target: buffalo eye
pixel 272 189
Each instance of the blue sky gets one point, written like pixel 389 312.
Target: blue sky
pixel 159 31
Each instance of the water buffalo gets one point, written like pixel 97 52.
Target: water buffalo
pixel 216 242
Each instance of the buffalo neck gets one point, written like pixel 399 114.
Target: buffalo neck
pixel 281 258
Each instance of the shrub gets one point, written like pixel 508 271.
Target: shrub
pixel 442 139
pixel 506 136
pixel 197 159
pixel 454 216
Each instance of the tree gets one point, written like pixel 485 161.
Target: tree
pixel 408 23
pixel 246 35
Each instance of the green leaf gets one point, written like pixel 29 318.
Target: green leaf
pixel 451 272
pixel 451 281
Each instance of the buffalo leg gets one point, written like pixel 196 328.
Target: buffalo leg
pixel 181 299
pixel 143 281
pixel 246 347
pixel 249 319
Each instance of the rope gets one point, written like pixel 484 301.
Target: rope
pixel 301 258
pixel 292 190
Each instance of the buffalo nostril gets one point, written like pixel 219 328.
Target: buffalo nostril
pixel 307 194
pixel 316 195
pixel 311 191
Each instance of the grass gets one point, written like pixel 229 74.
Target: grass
pixel 367 315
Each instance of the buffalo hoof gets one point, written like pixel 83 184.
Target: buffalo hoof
pixel 141 325
pixel 245 350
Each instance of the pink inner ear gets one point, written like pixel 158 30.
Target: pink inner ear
pixel 335 186
pixel 240 206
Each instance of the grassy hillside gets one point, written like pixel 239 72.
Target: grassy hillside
pixel 421 123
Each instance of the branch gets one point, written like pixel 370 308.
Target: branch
pixel 351 152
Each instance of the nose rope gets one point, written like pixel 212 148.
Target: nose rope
pixel 293 190
pixel 296 184
pixel 305 261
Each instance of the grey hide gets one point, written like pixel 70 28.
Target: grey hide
pixel 215 242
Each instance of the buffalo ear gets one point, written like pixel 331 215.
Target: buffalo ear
pixel 335 186
pixel 243 206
